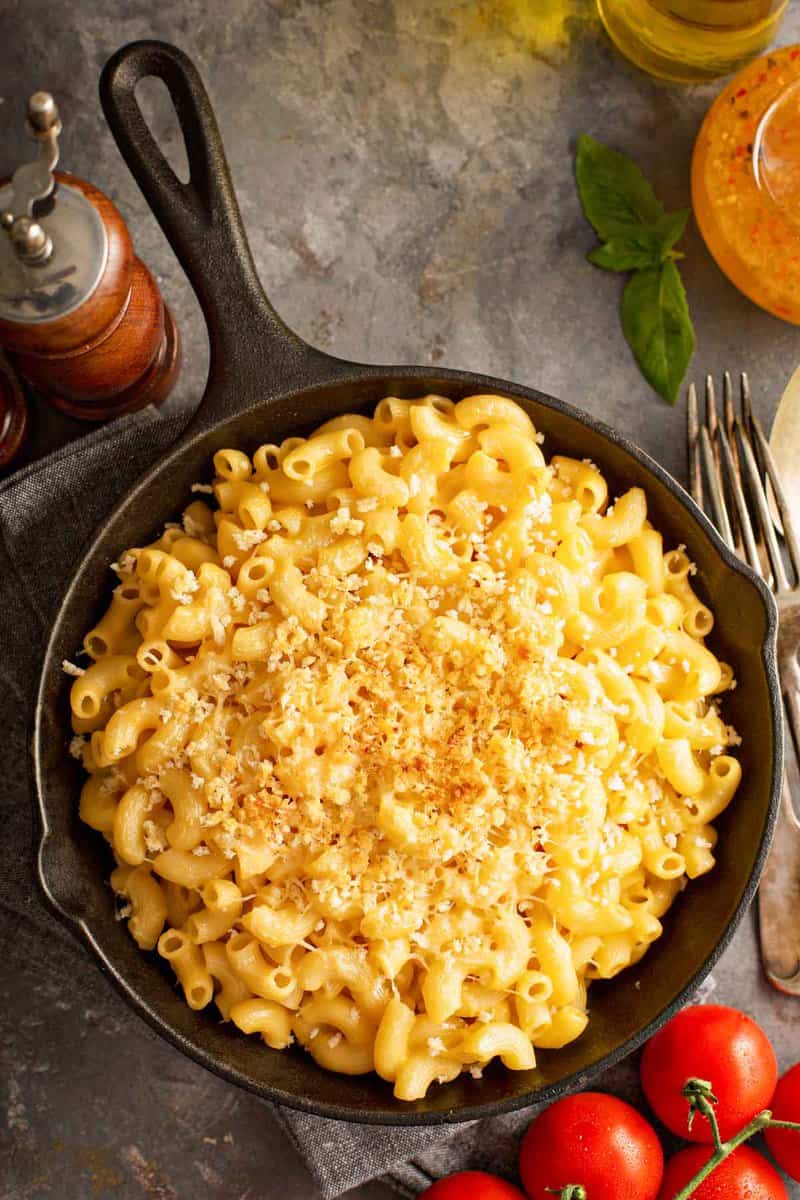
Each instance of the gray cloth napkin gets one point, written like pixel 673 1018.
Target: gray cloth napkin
pixel 47 511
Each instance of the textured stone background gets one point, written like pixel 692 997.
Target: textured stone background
pixel 404 170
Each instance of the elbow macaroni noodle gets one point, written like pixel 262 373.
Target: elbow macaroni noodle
pixel 404 742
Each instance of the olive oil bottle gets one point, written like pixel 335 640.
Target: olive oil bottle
pixel 691 40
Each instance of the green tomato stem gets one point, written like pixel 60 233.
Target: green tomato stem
pixel 573 1191
pixel 759 1122
pixel 702 1100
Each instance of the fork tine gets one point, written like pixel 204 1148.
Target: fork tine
pixel 735 482
pixel 780 498
pixel 762 508
pixel 728 424
pixel 714 427
pixel 721 518
pixel 712 417
pixel 747 407
pixel 692 433
pixel 747 419
pixel 729 414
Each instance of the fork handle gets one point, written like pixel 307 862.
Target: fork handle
pixel 779 902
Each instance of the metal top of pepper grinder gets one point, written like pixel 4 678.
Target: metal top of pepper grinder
pixel 55 247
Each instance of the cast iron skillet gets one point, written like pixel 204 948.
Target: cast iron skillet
pixel 265 383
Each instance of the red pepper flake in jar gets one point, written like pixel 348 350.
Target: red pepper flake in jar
pixel 746 182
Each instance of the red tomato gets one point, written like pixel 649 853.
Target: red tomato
pixel 471 1185
pixel 594 1140
pixel 715 1043
pixel 784 1144
pixel 743 1175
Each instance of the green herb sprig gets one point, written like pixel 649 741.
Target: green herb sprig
pixel 638 235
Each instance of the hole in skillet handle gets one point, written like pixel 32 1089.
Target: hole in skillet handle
pixel 159 113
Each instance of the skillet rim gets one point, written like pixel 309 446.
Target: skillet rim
pixel 343 373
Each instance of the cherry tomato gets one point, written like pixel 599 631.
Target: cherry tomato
pixel 743 1175
pixel 784 1144
pixel 471 1185
pixel 594 1140
pixel 715 1043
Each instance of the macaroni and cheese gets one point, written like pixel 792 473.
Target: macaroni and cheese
pixel 403 736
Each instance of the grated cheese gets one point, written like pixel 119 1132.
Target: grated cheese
pixel 191 527
pixel 155 839
pixel 246 539
pixel 77 745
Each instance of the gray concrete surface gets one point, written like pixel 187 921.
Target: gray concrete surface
pixel 404 170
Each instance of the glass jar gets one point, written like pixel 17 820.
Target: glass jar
pixel 746 181
pixel 691 40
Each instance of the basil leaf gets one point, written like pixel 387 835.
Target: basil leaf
pixel 615 195
pixel 640 248
pixel 671 228
pixel 658 328
pixel 629 253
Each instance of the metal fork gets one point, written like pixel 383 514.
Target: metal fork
pixel 729 461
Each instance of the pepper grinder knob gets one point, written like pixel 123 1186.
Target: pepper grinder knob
pixel 81 317
pixel 43 118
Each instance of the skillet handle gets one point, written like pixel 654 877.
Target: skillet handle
pixel 202 222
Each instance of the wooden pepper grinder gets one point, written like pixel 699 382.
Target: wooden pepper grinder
pixel 81 317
